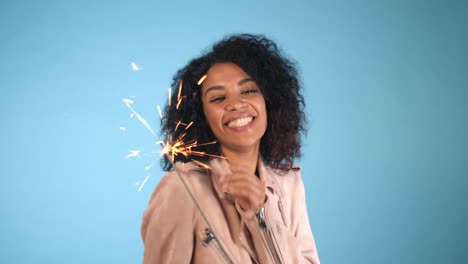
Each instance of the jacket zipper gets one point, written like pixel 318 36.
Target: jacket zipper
pixel 268 235
pixel 280 206
pixel 210 236
pixel 247 248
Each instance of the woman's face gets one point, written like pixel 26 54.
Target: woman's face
pixel 234 107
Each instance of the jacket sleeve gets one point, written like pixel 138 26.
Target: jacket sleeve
pixel 299 219
pixel 167 228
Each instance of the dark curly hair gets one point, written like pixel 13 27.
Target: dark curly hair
pixel 277 79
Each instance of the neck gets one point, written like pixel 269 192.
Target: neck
pixel 248 157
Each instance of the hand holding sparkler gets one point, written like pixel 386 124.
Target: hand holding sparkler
pixel 248 189
pixel 239 182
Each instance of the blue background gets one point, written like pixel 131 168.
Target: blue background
pixel 385 159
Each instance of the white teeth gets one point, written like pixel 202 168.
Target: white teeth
pixel 240 122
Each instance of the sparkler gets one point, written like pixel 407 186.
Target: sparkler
pixel 179 147
pixel 172 147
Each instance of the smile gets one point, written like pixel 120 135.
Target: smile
pixel 240 122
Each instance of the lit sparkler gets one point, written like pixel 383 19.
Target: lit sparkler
pixel 179 147
pixel 172 148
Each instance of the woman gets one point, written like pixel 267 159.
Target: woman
pixel 238 198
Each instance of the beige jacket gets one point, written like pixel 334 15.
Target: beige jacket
pixel 175 231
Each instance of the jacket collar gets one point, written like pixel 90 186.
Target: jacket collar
pixel 266 176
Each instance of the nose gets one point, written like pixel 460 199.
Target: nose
pixel 235 103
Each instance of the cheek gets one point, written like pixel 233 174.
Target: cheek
pixel 264 114
pixel 210 116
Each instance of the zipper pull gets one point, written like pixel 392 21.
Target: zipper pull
pixel 209 236
pixel 261 219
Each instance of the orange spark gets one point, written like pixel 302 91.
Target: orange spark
pixel 202 79
pixel 178 103
pixel 180 90
pixel 202 164
pixel 189 125
pixel 179 147
pixel 177 126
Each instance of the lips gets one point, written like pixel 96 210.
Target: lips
pixel 239 122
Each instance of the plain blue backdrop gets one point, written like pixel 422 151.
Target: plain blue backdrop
pixel 385 159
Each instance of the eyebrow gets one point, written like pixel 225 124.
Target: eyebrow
pixel 220 87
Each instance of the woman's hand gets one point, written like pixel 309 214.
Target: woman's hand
pixel 245 186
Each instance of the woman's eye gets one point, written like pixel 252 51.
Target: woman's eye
pixel 250 91
pixel 217 99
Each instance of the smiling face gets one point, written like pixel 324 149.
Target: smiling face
pixel 234 108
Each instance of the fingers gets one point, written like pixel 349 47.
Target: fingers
pixel 246 188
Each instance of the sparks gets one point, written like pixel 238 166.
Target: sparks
pixel 179 147
pixel 133 153
pixel 127 101
pixel 144 182
pixel 180 90
pixel 202 79
pixel 170 95
pixel 177 126
pixel 135 66
pixel 174 146
pixel 141 119
pixel 147 168
pixel 178 103
pixel 201 164
pixel 159 111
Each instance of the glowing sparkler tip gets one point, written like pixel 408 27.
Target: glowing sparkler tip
pixel 202 79
pixel 135 66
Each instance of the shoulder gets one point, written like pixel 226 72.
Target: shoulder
pixel 170 201
pixel 175 182
pixel 289 185
pixel 171 192
pixel 289 179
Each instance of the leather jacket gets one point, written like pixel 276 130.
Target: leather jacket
pixel 175 230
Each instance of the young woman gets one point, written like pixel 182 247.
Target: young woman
pixel 242 200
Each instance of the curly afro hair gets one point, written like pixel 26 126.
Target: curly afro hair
pixel 277 79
